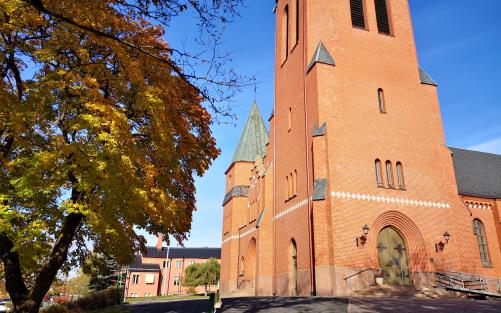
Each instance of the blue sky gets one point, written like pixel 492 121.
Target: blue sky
pixel 458 42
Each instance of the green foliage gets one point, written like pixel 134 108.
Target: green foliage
pixel 202 274
pixel 78 285
pixel 102 271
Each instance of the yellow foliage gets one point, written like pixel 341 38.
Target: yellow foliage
pixel 97 129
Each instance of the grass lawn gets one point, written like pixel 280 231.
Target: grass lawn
pixel 113 309
pixel 166 298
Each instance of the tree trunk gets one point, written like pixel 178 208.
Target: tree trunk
pixel 29 301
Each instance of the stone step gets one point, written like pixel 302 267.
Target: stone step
pixel 404 291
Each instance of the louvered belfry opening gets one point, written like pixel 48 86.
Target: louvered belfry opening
pixel 382 16
pixel 357 13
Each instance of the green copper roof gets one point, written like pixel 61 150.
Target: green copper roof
pixel 253 139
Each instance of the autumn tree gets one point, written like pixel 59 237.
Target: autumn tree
pixel 101 131
pixel 202 274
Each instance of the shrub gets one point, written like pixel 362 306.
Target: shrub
pixel 91 302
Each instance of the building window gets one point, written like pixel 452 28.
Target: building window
pixel 285 33
pixel 178 264
pixel 176 280
pixel 242 266
pixel 147 294
pixel 289 119
pixel 297 21
pixel 382 104
pixel 149 279
pixel 287 188
pixel 294 185
pixel 192 262
pixel 479 231
pixel 400 175
pixel 389 174
pixel 379 177
pixel 357 13
pixel 133 295
pixel 382 16
pixel 135 279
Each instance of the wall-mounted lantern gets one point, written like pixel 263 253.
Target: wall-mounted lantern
pixel 362 239
pixel 439 247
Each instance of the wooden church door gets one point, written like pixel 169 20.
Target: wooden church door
pixel 392 257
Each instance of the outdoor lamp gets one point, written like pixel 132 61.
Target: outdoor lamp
pixel 362 239
pixel 447 236
pixel 439 247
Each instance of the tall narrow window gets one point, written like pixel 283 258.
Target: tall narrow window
pixel 287 188
pixel 382 16
pixel 291 180
pixel 295 182
pixel 289 118
pixel 380 97
pixel 357 13
pixel 389 174
pixel 285 33
pixel 479 231
pixel 400 175
pixel 379 177
pixel 297 21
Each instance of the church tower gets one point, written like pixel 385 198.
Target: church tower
pixel 354 179
pixel 362 173
pixel 244 201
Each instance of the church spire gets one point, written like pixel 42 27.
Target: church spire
pixel 253 139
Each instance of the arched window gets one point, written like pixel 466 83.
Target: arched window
pixel 297 21
pixel 289 118
pixel 382 16
pixel 285 32
pixel 287 190
pixel 479 231
pixel 379 177
pixel 295 182
pixel 242 266
pixel 400 175
pixel 389 174
pixel 293 269
pixel 380 97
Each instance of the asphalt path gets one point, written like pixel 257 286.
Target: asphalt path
pixel 334 305
pixel 247 305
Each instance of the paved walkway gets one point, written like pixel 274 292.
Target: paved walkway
pixel 334 305
pixel 416 305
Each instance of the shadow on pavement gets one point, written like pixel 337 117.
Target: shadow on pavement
pixel 289 305
pixel 246 305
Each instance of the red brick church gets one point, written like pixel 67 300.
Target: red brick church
pixel 353 178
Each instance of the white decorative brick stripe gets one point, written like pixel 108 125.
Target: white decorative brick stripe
pixel 478 205
pixel 291 209
pixel 386 199
pixel 235 237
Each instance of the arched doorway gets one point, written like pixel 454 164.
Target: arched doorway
pixel 293 265
pixel 392 257
pixel 250 266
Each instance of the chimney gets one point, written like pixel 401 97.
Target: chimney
pixel 160 241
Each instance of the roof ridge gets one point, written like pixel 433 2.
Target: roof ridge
pixel 476 151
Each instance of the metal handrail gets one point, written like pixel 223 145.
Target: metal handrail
pixel 358 273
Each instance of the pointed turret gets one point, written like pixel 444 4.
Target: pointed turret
pixel 253 139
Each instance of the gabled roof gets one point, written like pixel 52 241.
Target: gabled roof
pixel 321 55
pixel 478 174
pixel 253 139
pixel 426 78
pixel 187 253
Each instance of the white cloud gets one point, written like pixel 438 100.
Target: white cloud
pixel 491 146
